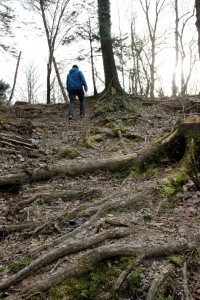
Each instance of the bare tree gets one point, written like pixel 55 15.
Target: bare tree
pixel 88 31
pixel 187 50
pixel 15 77
pixel 152 30
pixel 31 86
pixel 52 13
pixel 174 86
pixel 197 5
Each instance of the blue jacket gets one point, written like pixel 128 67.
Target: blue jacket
pixel 76 80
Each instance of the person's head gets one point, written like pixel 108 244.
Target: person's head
pixel 75 66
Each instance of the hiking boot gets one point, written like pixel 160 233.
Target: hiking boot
pixel 82 116
pixel 70 117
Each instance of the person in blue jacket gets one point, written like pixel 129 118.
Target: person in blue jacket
pixel 75 83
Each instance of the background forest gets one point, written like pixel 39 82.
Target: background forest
pixel 154 43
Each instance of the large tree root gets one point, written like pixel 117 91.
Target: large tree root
pixel 122 277
pixel 90 259
pixel 170 145
pixel 159 278
pixel 102 209
pixel 63 250
pixel 64 195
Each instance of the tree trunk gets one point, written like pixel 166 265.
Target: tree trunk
pixel 60 81
pixel 110 71
pixel 15 78
pixel 92 59
pixel 174 87
pixel 197 4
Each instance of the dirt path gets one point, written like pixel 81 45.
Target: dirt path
pixel 93 225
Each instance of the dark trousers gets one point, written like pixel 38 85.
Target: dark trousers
pixel 72 97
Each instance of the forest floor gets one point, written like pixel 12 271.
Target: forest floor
pixel 102 234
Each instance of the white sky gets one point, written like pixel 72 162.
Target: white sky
pixel 34 47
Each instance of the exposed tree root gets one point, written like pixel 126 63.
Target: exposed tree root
pixel 64 195
pixel 91 258
pixel 168 145
pixel 185 285
pixel 102 209
pixel 121 278
pixel 158 279
pixel 63 250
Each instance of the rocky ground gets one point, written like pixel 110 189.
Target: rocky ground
pixel 100 234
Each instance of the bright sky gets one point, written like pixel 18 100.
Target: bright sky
pixel 34 47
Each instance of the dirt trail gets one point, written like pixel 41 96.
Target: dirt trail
pixel 94 224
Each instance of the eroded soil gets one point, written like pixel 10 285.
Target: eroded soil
pixel 38 217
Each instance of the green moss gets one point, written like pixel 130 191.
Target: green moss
pixel 14 268
pixel 159 141
pixel 117 105
pixel 170 186
pixel 123 172
pixel 1 269
pixel 167 290
pixel 134 279
pixel 110 125
pixel 96 194
pixel 173 183
pixel 66 153
pixel 176 259
pixel 89 142
pixel 98 280
pixel 56 293
pixel 2 117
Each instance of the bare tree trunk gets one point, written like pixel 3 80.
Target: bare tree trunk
pixel 174 87
pixel 60 81
pixel 152 29
pixel 15 78
pixel 92 59
pixel 197 4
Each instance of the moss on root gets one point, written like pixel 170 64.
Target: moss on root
pixel 66 153
pixel 98 280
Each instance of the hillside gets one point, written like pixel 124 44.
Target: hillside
pixel 80 220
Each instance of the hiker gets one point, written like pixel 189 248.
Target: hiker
pixel 75 84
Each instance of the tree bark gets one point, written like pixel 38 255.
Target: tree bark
pixel 197 4
pixel 60 81
pixel 15 78
pixel 174 87
pixel 110 71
